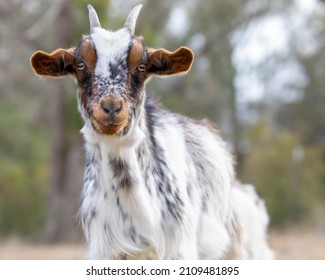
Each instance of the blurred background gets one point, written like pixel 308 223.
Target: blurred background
pixel 259 73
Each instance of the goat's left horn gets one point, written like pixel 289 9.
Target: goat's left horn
pixel 132 18
pixel 93 18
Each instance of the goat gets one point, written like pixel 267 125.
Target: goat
pixel 157 184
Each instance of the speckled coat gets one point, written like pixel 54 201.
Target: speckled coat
pixel 155 181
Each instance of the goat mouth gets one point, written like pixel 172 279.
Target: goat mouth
pixel 109 127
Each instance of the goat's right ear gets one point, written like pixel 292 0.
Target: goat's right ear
pixel 56 64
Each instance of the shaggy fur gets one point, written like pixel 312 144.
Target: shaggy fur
pixel 254 220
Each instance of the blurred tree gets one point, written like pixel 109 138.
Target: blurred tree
pixel 306 116
pixel 287 174
pixel 23 172
pixel 23 152
pixel 64 192
pixel 293 108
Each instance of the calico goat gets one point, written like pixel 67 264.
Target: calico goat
pixel 157 184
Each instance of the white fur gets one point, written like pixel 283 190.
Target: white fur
pixel 198 236
pixel 253 217
pixel 109 46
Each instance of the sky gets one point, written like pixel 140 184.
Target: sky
pixel 267 38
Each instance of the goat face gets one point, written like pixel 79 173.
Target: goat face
pixel 111 69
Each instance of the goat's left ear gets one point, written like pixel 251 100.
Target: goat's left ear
pixel 56 64
pixel 163 62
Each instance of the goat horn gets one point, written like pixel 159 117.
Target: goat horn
pixel 93 18
pixel 132 18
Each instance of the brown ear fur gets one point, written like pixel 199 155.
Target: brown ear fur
pixel 58 63
pixel 163 62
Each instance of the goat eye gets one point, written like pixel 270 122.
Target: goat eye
pixel 81 66
pixel 141 67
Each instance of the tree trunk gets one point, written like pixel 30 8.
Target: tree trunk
pixel 66 167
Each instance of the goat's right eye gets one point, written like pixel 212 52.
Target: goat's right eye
pixel 81 66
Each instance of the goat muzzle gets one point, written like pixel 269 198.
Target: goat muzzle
pixel 110 116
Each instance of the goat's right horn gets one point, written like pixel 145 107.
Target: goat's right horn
pixel 93 18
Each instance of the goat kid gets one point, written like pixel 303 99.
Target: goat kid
pixel 154 181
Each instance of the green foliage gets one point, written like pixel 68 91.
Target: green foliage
pixel 23 173
pixel 286 173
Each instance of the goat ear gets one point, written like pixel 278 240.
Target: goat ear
pixel 56 64
pixel 163 62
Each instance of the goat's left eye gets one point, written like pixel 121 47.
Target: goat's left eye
pixel 142 67
pixel 81 66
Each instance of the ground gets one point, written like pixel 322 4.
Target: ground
pixel 290 244
pixel 295 245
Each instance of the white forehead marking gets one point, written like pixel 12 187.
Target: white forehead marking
pixel 111 47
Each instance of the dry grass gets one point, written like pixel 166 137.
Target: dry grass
pixel 15 249
pixel 292 244
pixel 298 244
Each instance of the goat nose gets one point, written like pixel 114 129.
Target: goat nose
pixel 112 108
